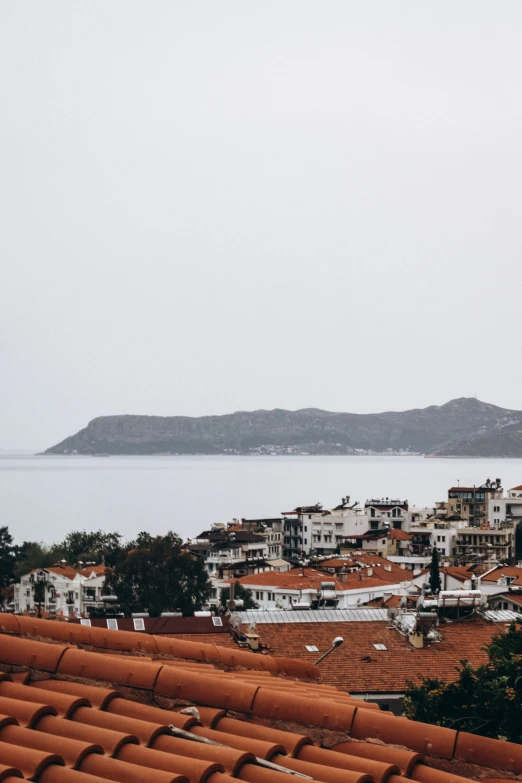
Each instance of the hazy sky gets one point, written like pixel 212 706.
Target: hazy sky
pixel 214 206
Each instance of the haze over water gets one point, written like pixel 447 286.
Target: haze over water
pixel 43 498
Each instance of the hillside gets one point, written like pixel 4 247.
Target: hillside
pixel 461 427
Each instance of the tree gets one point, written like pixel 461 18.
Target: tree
pixel 34 554
pixel 435 583
pixel 239 592
pixel 486 700
pixel 82 546
pixel 158 575
pixel 7 558
pixel 40 587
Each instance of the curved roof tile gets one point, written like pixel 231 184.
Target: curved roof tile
pixel 97 696
pixel 195 766
pixel 25 712
pixel 378 770
pixel 421 737
pixel 9 772
pixel 212 691
pixel 290 741
pixel 320 772
pixel 130 709
pixel 404 759
pixel 71 750
pixel 309 712
pixel 95 666
pixel 146 732
pixel 123 772
pixel 62 702
pixel 29 761
pixel 25 652
pixel 110 741
pixel 489 752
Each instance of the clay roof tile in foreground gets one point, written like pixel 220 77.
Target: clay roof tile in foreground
pixel 25 713
pixel 72 751
pixel 30 762
pixel 63 703
pixel 98 697
pixel 7 773
pixel 139 745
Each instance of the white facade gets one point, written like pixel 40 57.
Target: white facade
pixel 270 598
pixel 69 594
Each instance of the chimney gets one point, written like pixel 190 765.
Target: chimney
pixel 343 574
pixel 370 572
pixel 387 568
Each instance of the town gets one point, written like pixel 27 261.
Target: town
pixel 312 558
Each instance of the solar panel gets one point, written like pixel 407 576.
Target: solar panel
pixel 316 616
pixel 499 615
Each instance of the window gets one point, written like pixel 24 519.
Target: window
pixel 217 621
pixel 306 529
pixel 311 648
pixel 380 646
pixel 496 508
pixel 139 624
pixel 259 595
pixel 438 538
pixel 85 622
pixel 112 625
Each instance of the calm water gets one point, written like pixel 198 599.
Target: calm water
pixel 45 497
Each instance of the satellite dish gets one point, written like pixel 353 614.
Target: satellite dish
pixel 403 602
pixel 392 612
pixel 420 602
pixel 235 622
pixel 252 628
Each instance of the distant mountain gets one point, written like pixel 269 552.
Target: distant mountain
pixel 462 427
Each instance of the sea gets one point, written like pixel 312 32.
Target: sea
pixel 42 498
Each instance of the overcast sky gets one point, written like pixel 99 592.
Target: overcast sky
pixel 218 206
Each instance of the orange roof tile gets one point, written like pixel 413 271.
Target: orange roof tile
pixel 122 739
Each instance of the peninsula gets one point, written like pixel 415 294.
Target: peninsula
pixel 464 427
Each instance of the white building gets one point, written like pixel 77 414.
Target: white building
pixel 309 588
pixel 63 591
pixel 312 529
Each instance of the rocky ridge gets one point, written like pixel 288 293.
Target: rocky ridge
pixel 462 427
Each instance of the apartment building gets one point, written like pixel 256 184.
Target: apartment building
pixel 313 530
pixel 472 503
pixel 60 590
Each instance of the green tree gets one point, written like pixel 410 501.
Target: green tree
pixel 486 700
pixel 434 581
pixel 239 592
pixel 7 558
pixel 82 546
pixel 34 554
pixel 158 575
pixel 39 589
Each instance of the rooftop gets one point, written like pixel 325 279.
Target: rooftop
pixel 311 578
pixel 71 715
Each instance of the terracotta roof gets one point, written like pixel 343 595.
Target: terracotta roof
pixel 359 667
pixel 511 571
pixel 400 535
pixel 63 724
pixel 99 570
pixel 68 571
pixel 514 489
pixel 311 578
